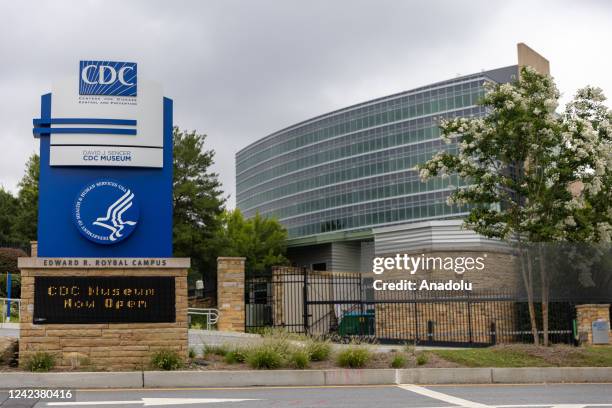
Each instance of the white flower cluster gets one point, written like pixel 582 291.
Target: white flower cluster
pixel 591 146
pixel 434 167
pixel 549 153
pixel 604 231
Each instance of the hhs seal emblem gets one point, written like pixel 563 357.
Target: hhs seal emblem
pixel 106 212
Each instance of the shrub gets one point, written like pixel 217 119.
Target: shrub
pixel 78 360
pixel 264 357
pixel 284 347
pixel 276 333
pixel 300 359
pixel 8 263
pixel 237 355
pixel 422 359
pixel 280 344
pixel 166 359
pixel 354 357
pixel 410 349
pixel 8 259
pixel 318 350
pixel 192 353
pixel 9 351
pixel 399 361
pixel 85 362
pixel 218 350
pixel 41 361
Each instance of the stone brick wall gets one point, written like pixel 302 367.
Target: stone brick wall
pixel 230 294
pixel 587 314
pixel 452 322
pixel 102 346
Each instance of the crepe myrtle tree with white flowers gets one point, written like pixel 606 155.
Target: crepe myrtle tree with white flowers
pixel 532 175
pixel 588 135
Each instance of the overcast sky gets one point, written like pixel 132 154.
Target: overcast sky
pixel 239 70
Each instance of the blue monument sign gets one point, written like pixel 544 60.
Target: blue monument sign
pixel 104 261
pixel 105 165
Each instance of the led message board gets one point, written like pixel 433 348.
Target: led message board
pixel 108 299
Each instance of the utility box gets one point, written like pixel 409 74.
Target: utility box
pixel 357 324
pixel 601 332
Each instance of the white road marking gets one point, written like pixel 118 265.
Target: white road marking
pixel 471 404
pixel 149 402
pixel 552 405
pixel 442 397
pixel 586 404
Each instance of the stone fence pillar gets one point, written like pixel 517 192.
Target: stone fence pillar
pixel 230 294
pixel 586 315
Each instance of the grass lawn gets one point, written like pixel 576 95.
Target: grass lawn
pixel 593 357
pixel 490 357
pixel 529 356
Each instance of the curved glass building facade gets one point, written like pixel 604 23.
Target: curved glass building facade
pixel 339 175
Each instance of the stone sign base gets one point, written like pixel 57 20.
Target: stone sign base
pixel 120 345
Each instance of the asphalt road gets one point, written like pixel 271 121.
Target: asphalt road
pixel 400 396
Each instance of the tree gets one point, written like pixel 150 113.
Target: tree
pixel 261 240
pixel 8 264
pixel 197 200
pixel 26 220
pixel 588 134
pixel 8 210
pixel 520 163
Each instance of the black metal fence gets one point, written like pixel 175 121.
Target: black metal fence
pixel 345 305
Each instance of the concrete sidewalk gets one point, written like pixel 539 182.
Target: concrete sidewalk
pixel 248 378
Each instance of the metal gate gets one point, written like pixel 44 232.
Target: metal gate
pixel 345 305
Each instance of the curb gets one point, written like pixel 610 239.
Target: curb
pixel 551 374
pixel 253 378
pixel 132 379
pixel 446 376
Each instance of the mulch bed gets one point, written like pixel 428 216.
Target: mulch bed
pixel 378 360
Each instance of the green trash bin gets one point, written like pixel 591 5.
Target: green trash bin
pixel 357 324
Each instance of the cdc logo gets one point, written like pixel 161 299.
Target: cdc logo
pixel 108 78
pixel 106 212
